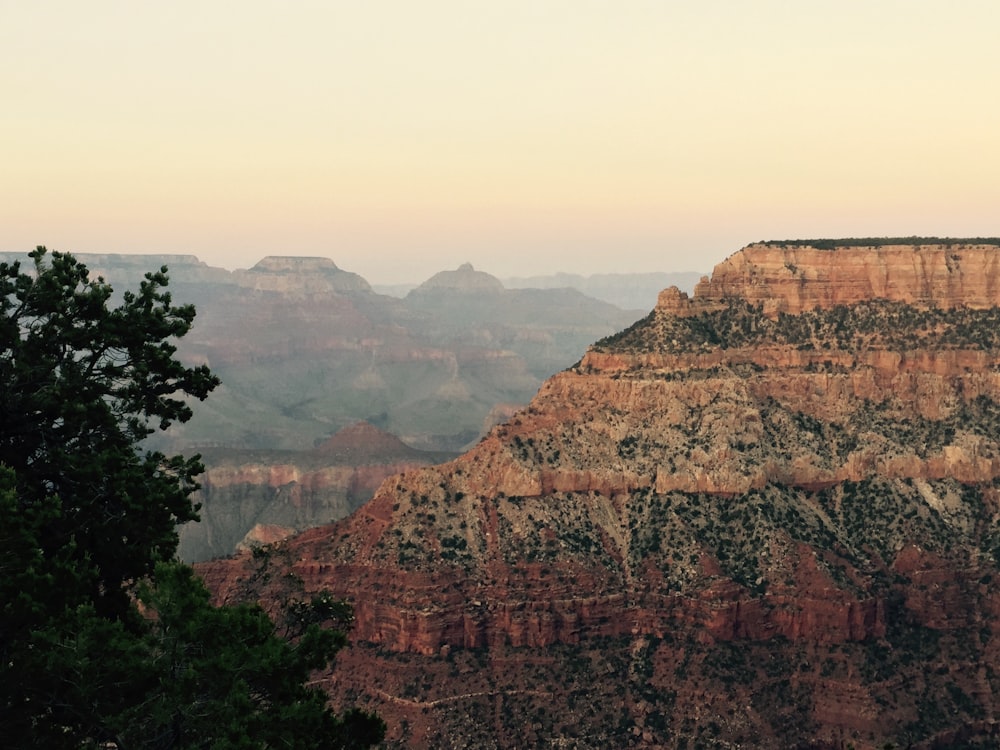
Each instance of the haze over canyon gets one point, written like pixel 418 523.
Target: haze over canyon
pixel 329 387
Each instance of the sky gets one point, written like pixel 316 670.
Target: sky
pixel 401 138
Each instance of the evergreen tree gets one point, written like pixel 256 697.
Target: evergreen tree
pixel 88 530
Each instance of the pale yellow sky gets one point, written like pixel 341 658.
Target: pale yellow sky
pixel 400 138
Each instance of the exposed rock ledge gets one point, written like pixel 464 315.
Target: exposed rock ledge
pixel 794 278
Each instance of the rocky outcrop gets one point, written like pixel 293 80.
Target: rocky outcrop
pixel 264 534
pixel 363 441
pixel 793 277
pixel 754 518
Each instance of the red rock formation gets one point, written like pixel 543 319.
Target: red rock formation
pixel 724 526
pixel 793 278
pixel 263 534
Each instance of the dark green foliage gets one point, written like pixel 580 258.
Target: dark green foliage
pixel 82 385
pixel 883 242
pixel 879 324
pixel 223 679
pixel 88 531
pixel 62 665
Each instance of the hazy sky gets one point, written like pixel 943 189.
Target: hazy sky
pixel 403 137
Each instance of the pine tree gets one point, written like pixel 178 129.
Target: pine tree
pixel 105 641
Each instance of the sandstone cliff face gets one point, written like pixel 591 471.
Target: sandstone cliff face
pixel 766 516
pixel 792 278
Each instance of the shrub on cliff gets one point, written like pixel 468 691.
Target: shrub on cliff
pixel 88 529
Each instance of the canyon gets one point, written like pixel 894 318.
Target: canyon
pixel 307 350
pixel 765 515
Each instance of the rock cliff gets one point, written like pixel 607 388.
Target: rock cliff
pixel 792 277
pixel 249 497
pixel 767 515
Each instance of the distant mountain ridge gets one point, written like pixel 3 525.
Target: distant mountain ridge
pixel 629 291
pixel 305 348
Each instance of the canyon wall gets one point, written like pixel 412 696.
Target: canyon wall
pixel 248 497
pixel 792 278
pixel 767 515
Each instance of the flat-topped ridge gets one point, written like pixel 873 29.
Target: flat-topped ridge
pixel 300 274
pixel 834 244
pixel 796 275
pixel 294 263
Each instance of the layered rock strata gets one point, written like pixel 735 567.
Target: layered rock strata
pixel 764 516
pixel 792 277
pixel 248 498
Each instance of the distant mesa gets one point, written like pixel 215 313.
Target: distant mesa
pixel 128 270
pixel 145 262
pixel 301 274
pixel 464 279
pixel 295 264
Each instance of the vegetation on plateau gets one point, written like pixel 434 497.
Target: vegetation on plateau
pixel 828 244
pixel 876 324
pixel 105 640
